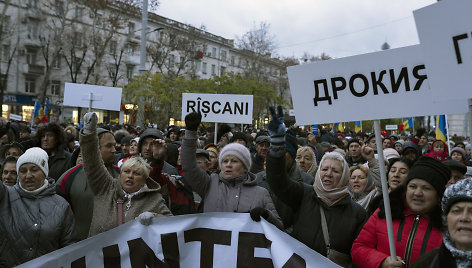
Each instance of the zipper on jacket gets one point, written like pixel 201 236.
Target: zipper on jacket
pixel 410 241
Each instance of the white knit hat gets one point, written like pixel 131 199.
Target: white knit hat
pixel 238 150
pixel 36 156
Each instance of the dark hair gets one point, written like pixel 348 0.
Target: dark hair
pixel 353 141
pixel 54 128
pixel 402 159
pixel 10 159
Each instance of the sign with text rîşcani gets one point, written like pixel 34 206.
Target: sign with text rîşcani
pixel 221 108
pixel 445 33
pixel 197 240
pixel 380 85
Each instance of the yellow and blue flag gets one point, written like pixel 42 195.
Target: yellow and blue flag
pixel 408 123
pixel 338 127
pixel 441 128
pixel 358 126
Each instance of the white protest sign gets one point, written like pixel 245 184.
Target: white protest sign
pixel 391 127
pixel 198 240
pixel 106 98
pixel 445 33
pixel 386 84
pixel 16 117
pixel 221 108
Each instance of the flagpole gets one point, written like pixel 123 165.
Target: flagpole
pixel 447 135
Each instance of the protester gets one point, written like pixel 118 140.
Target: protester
pixel 397 172
pixel 364 183
pixel 458 154
pixel 133 151
pixel 416 218
pixel 213 152
pixel 398 145
pixel 306 160
pixel 13 149
pixel 411 151
pixel 329 195
pixel 458 170
pixel 456 248
pixel 73 184
pixel 354 151
pixel 115 201
pixel 34 221
pixel 51 138
pixel 234 189
pixel 390 153
pixel 258 158
pixel 145 148
pixel 9 175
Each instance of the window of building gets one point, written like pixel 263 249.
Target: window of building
pixel 59 5
pixel 32 29
pixel 30 56
pixel 223 70
pixel 76 62
pixel 55 87
pixel 182 60
pixel 77 39
pixel 130 72
pixel 99 20
pixel 79 13
pixel 171 61
pixel 213 52
pixel 112 70
pixel 5 52
pixel 57 63
pixel 3 80
pixel 204 67
pixel 197 65
pixel 5 23
pixel 223 55
pixel 32 3
pixel 113 45
pixel 232 60
pixel 213 69
pixel 30 85
pixel 131 28
pixel 130 49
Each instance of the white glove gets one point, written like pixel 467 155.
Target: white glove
pixel 145 218
pixel 90 123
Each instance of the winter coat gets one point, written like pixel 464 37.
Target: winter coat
pixel 59 162
pixel 107 189
pixel 372 247
pixel 33 225
pixel 355 163
pixel 257 163
pixel 74 188
pixel 437 258
pixel 344 219
pixel 221 196
pixel 295 174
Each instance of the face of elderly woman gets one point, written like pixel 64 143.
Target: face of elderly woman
pixel 421 196
pixel 131 179
pixel 459 224
pixel 304 160
pixel 232 167
pixel 31 176
pixel 358 181
pixel 331 172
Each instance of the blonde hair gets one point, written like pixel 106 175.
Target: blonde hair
pixel 362 168
pixel 139 163
pixel 314 166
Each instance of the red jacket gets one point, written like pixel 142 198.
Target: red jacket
pixel 441 156
pixel 371 246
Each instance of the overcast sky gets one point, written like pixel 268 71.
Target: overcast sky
pixel 338 28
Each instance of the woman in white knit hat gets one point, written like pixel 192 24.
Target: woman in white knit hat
pixel 234 189
pixel 34 220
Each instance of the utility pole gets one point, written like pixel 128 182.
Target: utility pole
pixel 142 60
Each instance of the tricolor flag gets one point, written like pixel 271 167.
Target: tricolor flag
pixel 358 126
pixel 441 128
pixel 338 127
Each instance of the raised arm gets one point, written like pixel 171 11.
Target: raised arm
pixel 374 170
pixel 98 178
pixel 198 179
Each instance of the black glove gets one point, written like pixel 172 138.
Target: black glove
pixel 192 121
pixel 257 213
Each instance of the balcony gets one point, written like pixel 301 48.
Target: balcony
pixel 132 60
pixel 34 69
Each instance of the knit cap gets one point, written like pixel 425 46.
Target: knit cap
pixel 459 150
pixel 460 191
pixel 36 156
pixel 238 150
pixel 390 153
pixel 432 171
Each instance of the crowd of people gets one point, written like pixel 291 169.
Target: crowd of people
pixel 62 184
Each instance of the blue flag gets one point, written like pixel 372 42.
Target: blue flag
pixel 314 129
pixel 37 106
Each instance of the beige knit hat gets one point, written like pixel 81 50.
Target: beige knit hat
pixel 36 156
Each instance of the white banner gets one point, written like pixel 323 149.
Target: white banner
pixel 106 98
pixel 391 127
pixel 198 240
pixel 445 33
pixel 221 108
pixel 386 84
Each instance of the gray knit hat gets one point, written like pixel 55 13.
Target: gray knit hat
pixel 36 156
pixel 238 150
pixel 460 191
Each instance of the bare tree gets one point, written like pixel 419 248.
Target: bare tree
pixel 261 45
pixel 7 50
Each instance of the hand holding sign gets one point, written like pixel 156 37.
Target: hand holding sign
pixel 90 122
pixel 192 121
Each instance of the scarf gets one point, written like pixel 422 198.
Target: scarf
pixel 37 191
pixel 463 258
pixel 129 196
pixel 233 181
pixel 332 196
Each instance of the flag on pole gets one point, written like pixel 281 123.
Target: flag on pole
pixel 358 126
pixel 47 106
pixel 341 127
pixel 338 127
pixel 314 129
pixel 441 128
pixel 37 106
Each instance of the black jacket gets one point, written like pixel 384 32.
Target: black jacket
pixel 345 219
pixel 436 258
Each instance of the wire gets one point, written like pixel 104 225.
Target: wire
pixel 343 34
